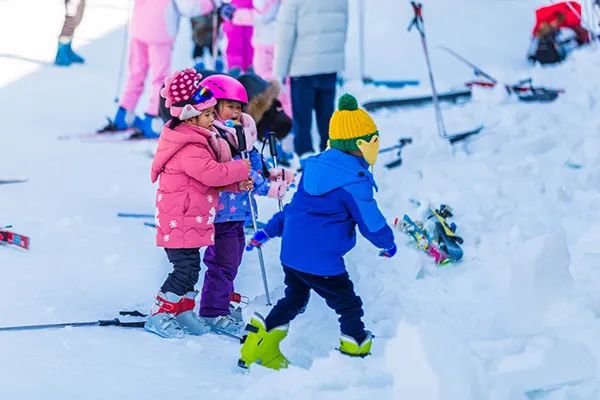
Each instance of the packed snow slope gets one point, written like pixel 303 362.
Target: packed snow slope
pixel 517 319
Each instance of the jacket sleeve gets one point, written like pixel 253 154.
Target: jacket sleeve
pixel 274 227
pixel 261 184
pixel 194 8
pixel 358 199
pixel 287 32
pixel 201 166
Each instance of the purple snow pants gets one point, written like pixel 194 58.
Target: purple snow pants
pixel 222 259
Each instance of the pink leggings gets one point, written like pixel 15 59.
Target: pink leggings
pixel 142 58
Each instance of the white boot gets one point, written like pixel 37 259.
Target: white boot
pixel 190 322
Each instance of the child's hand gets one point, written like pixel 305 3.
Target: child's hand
pixel 258 239
pixel 277 190
pixel 248 184
pixel 388 253
pixel 282 174
pixel 248 164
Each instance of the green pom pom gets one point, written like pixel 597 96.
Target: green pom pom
pixel 347 102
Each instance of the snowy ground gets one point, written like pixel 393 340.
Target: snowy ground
pixel 516 320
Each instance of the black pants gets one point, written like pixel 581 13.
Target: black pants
pixel 338 292
pixel 314 92
pixel 186 270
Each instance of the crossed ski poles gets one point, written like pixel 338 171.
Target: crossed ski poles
pixel 418 23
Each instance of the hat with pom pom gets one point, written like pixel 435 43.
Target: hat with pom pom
pixel 352 129
pixel 185 97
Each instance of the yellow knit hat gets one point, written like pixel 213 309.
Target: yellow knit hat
pixel 352 129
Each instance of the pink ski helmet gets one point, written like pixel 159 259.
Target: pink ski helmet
pixel 224 87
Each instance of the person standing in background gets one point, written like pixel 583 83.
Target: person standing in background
pixel 65 55
pixel 154 27
pixel 310 49
pixel 239 53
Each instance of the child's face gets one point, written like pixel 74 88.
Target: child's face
pixel 205 120
pixel 228 109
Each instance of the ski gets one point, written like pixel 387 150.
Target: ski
pixel 447 238
pixel 524 90
pixel 136 313
pixel 459 137
pixel 116 322
pixel 12 181
pixel 134 215
pixel 421 239
pixel 15 239
pixel 109 322
pixel 392 84
pixel 449 243
pixel 453 96
pixel 398 149
pixel 102 135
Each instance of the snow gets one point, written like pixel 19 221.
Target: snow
pixel 517 319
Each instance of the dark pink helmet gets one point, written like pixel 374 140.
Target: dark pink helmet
pixel 224 87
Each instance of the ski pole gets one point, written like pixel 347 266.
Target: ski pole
pixel 361 38
pixel 123 55
pixel 419 24
pixel 109 322
pixel 274 154
pixel 239 131
pixel 134 215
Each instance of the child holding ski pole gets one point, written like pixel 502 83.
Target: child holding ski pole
pixel 193 164
pixel 224 257
pixel 317 228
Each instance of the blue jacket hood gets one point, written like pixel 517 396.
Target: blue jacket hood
pixel 334 169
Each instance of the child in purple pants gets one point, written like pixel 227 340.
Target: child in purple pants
pixel 225 256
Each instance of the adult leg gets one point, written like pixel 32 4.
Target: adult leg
pixel 338 292
pixel 138 69
pixel 65 55
pixel 325 105
pixel 303 100
pixel 186 268
pixel 73 16
pixel 159 57
pixel 294 301
pixel 223 260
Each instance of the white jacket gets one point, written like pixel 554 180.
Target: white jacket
pixel 311 37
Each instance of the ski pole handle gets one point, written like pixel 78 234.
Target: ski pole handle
pixel 241 137
pixel 272 144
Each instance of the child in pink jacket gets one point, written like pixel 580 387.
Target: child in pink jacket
pixel 193 164
pixel 154 26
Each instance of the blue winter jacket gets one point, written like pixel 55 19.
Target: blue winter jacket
pixel 234 206
pixel 318 227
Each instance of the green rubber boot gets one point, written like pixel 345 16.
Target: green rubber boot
pixel 350 347
pixel 262 347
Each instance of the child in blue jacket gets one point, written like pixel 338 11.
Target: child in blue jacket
pixel 317 228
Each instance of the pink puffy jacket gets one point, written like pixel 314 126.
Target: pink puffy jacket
pixel 187 161
pixel 157 21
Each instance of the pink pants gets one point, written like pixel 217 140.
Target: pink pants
pixel 143 57
pixel 263 66
pixel 239 52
